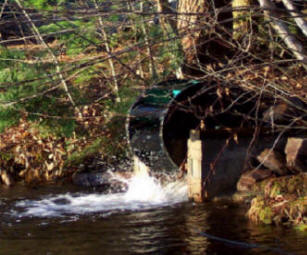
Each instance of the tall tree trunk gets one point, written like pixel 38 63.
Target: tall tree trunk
pixel 168 22
pixel 241 18
pixel 189 27
pixel 167 16
pixel 204 31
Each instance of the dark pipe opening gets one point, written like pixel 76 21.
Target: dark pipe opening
pixel 198 103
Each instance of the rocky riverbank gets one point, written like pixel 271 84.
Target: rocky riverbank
pixel 278 200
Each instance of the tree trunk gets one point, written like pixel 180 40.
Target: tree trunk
pixel 189 27
pixel 167 16
pixel 168 21
pixel 203 26
pixel 241 17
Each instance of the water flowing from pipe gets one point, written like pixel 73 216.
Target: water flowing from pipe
pixel 144 192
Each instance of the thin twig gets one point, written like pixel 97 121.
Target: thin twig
pixel 57 65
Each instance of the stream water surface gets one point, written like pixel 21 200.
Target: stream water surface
pixel 147 219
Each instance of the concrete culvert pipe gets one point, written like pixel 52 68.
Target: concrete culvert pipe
pixel 159 124
pixel 160 121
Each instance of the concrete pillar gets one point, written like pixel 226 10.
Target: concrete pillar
pixel 194 167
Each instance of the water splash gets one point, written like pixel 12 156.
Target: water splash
pixel 144 192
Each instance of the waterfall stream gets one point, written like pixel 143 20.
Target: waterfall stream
pixel 144 192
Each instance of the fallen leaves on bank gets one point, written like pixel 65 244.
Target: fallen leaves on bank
pixel 25 154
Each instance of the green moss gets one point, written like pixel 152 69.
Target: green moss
pixel 127 98
pixel 281 200
pixel 295 184
pixel 5 156
pixel 115 145
pixel 301 227
pixel 265 215
pixel 77 158
pixel 110 146
pixel 275 190
pixel 8 118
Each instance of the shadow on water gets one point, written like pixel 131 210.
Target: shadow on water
pixel 175 229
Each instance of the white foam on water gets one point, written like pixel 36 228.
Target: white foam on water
pixel 144 192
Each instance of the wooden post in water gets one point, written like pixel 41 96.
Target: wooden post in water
pixel 194 167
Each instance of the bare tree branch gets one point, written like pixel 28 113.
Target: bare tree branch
pixel 55 60
pixel 152 66
pixel 2 9
pixel 165 9
pixel 108 50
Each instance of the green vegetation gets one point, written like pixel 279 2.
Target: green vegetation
pixel 80 105
pixel 281 200
pixel 70 70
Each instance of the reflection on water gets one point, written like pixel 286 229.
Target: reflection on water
pixel 166 226
pixel 195 222
pixel 170 230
